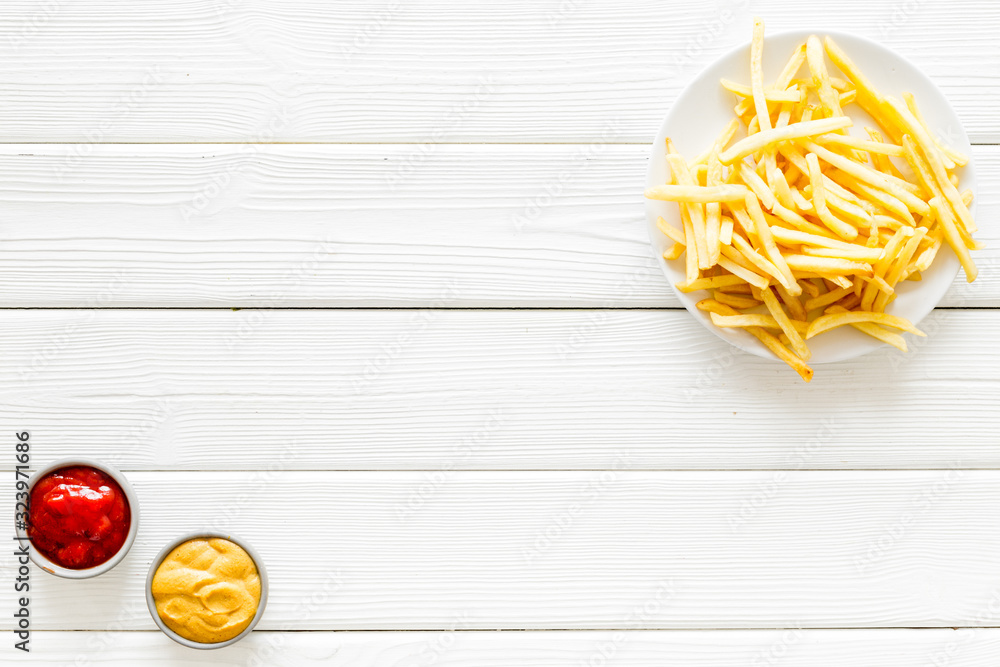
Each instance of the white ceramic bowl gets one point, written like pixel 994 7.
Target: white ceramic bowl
pixel 704 108
pixel 133 503
pixel 165 551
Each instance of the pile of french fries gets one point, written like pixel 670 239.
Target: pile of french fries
pixel 801 227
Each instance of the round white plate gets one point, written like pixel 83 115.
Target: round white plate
pixel 704 108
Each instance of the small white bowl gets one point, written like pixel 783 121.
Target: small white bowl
pixel 133 507
pixel 704 108
pixel 165 551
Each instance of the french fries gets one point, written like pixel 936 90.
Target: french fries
pixel 800 228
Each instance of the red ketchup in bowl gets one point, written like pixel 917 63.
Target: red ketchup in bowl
pixel 78 518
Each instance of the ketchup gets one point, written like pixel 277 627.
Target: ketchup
pixel 79 517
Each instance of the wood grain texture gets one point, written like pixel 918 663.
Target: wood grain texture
pixel 440 390
pixel 311 70
pixel 291 226
pixel 963 647
pixel 612 549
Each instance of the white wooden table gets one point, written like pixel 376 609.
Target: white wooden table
pixel 368 284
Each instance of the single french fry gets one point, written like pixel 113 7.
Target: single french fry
pixel 839 84
pixel 827 265
pixel 746 274
pixel 791 68
pixel 774 345
pixel 801 203
pixel 793 237
pixel 896 183
pixel 700 174
pixel 769 137
pixel 713 210
pixel 691 256
pixel 809 288
pixel 742 288
pixel 888 222
pixel 696 194
pixel 857 254
pixel 757 76
pixel 713 306
pixel 746 225
pixel 849 141
pixel 726 231
pixel 828 97
pixel 850 302
pixel 674 251
pixel 833 320
pixel 793 303
pixel 751 259
pixel 874 330
pixel 757 185
pixel 927 255
pixel 709 283
pixel 781 190
pixel 770 249
pixel 786 216
pixel 743 320
pixel 830 297
pixel 791 172
pixel 832 282
pixel 737 257
pixel 868 97
pixel 734 300
pixel 923 171
pixel 784 116
pixel 676 235
pixel 781 317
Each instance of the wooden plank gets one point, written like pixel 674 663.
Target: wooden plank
pixel 440 390
pixel 291 226
pixel 311 70
pixel 575 550
pixel 962 647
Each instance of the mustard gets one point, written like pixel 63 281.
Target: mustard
pixel 207 590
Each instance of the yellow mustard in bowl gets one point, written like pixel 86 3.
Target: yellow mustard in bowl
pixel 207 590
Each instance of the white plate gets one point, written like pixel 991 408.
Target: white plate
pixel 704 108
